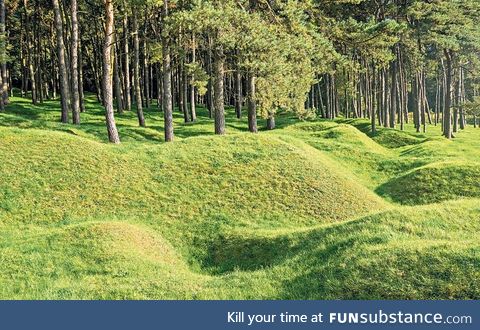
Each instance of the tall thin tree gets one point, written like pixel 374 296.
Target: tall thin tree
pixel 107 73
pixel 3 58
pixel 74 65
pixel 136 71
pixel 219 101
pixel 64 85
pixel 167 82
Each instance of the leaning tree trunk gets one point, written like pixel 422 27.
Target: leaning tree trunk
pixel 138 90
pixel 74 65
pixel 64 85
pixel 167 83
pixel 219 101
pixel 107 77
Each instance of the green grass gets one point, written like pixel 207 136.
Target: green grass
pixel 312 210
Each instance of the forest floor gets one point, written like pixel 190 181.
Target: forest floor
pixel 311 210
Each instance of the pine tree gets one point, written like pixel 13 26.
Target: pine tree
pixel 107 86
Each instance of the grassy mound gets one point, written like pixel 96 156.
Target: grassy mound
pixel 52 177
pixel 295 213
pixel 390 255
pixel 93 260
pixel 385 137
pixel 393 254
pixel 434 183
pixel 49 177
pixel 370 162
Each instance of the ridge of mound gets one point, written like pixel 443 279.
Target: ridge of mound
pixel 55 176
pixel 51 177
pixel 434 183
pixel 385 137
pixel 344 133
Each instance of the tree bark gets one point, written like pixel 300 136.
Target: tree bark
pixel 184 87
pixel 238 93
pixel 128 89
pixel 107 73
pixel 193 111
pixel 117 83
pixel 64 85
pixel 74 65
pixel 167 83
pixel 448 95
pixel 219 101
pixel 393 94
pixel 271 121
pixel 146 75
pixel 252 104
pixel 3 64
pixel 2 104
pixel 138 90
pixel 80 77
pixel 210 91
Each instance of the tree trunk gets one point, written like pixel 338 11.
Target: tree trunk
pixel 373 118
pixel 393 94
pixel 146 75
pixel 128 89
pixel 107 77
pixel 167 83
pixel 219 101
pixel 457 104
pixel 423 98
pixel 462 99
pixel 271 121
pixel 193 111
pixel 138 90
pixel 117 83
pixel 159 86
pixel 2 104
pixel 64 85
pixel 238 93
pixel 74 65
pixel 210 92
pixel 448 95
pixel 184 86
pixel 252 105
pixel 3 64
pixel 80 77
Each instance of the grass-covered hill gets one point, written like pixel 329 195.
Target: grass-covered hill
pixel 312 210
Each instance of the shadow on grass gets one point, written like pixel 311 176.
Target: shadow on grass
pixel 227 253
